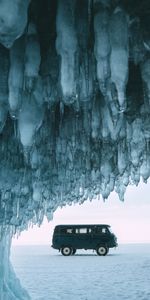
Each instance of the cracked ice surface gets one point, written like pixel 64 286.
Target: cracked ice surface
pixel 74 103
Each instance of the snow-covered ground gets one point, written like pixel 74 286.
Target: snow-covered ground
pixel 123 274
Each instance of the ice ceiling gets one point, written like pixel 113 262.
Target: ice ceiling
pixel 74 103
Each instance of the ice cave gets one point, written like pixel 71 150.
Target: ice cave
pixel 74 109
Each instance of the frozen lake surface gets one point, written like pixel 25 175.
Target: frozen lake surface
pixel 123 274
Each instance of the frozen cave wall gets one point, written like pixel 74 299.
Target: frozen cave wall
pixel 74 103
pixel 74 109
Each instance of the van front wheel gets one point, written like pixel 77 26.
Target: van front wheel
pixel 102 251
pixel 66 251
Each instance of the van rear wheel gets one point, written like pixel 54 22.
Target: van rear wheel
pixel 66 251
pixel 102 250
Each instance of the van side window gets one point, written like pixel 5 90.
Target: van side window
pixel 100 230
pixel 66 230
pixel 70 230
pixel 81 230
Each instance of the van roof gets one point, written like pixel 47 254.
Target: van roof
pixel 82 225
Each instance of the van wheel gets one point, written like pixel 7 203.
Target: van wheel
pixel 74 251
pixel 102 251
pixel 66 251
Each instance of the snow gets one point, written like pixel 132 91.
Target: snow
pixel 122 274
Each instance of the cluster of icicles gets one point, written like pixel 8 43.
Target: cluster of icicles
pixel 74 106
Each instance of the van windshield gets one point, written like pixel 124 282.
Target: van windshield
pixel 110 230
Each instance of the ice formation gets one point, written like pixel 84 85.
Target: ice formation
pixel 74 105
pixel 10 288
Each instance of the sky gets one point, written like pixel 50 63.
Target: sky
pixel 129 220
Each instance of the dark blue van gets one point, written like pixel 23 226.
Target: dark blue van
pixel 69 238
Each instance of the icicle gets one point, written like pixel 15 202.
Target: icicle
pixel 32 58
pixel 30 120
pixel 15 79
pixel 66 45
pixel 106 170
pixel 102 46
pixel 4 68
pixel 96 119
pixel 34 159
pixel 36 192
pixel 119 54
pixel 111 127
pixel 122 157
pixel 85 57
pixel 125 177
pixel 137 143
pixel 10 287
pixel 120 188
pixel 50 74
pixel 135 175
pixel 145 166
pixel 13 20
pixel 145 71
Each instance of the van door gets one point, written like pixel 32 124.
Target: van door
pixel 82 238
pixel 99 236
pixel 92 237
pixel 103 235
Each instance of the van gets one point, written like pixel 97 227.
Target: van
pixel 69 238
